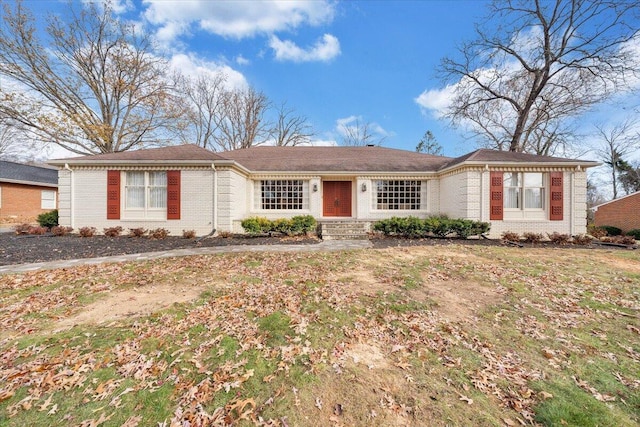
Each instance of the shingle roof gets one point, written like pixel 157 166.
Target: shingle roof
pixel 485 155
pixel 18 172
pixel 334 159
pixel 174 152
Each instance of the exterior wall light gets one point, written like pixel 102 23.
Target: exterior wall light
pixel 315 188
pixel 364 187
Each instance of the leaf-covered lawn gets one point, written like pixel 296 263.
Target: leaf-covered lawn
pixel 455 335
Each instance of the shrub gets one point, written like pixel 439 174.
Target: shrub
pixel 225 234
pixel 87 231
pixel 22 228
pixel 48 219
pixel 634 233
pixel 137 232
pixel 60 230
pixel 480 228
pixel 188 234
pixel 37 230
pixel 113 231
pixel 582 239
pixel 611 230
pixel 256 225
pixel 532 237
pixel 510 236
pixel 440 226
pixel 559 238
pixel 303 224
pixel 596 232
pixel 621 240
pixel 158 233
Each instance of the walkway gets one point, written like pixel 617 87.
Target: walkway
pixel 327 245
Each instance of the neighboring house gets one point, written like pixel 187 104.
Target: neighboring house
pixel 623 213
pixel 26 191
pixel 189 188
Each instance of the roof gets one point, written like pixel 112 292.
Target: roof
pixel 636 194
pixel 484 155
pixel 318 159
pixel 334 159
pixel 186 152
pixel 20 173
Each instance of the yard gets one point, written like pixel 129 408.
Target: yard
pixel 426 335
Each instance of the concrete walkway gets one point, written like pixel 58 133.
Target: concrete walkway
pixel 327 245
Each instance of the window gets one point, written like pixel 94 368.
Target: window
pixel 48 199
pixel 145 190
pixel 397 195
pixel 289 194
pixel 523 191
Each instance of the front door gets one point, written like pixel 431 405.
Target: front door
pixel 336 198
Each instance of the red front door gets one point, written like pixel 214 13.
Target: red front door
pixel 336 196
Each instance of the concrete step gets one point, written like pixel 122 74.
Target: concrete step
pixel 344 230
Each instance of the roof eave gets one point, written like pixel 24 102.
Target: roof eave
pixel 115 163
pixel 584 164
pixel 34 183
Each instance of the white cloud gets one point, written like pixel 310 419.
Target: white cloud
pixel 118 6
pixel 324 49
pixel 192 66
pixel 238 19
pixel 241 60
pixel 436 101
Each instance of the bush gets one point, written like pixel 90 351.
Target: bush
pixel 302 224
pixel 137 232
pixel 582 239
pixel 611 230
pixel 37 230
pixel 188 234
pixel 621 240
pixel 510 236
pixel 533 237
pixel 159 233
pixel 22 228
pixel 596 232
pixel 61 231
pixel 87 231
pixel 225 234
pixel 559 238
pixel 113 231
pixel 634 233
pixel 439 226
pixel 48 219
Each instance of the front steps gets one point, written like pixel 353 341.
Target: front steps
pixel 344 230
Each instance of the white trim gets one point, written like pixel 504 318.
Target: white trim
pixel 595 208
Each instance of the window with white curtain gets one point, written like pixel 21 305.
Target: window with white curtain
pixel 48 199
pixel 145 190
pixel 523 190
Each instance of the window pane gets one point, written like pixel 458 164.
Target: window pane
pixel 135 178
pixel 533 180
pixel 157 190
pixel 48 199
pixel 158 179
pixel 533 198
pixel 512 179
pixel 135 190
pixel 512 198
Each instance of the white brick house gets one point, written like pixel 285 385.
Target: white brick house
pixel 189 188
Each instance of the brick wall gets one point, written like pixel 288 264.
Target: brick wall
pixel 21 202
pixel 623 213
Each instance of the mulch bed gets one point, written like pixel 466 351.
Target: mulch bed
pixel 20 249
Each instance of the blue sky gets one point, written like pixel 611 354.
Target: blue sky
pixel 333 62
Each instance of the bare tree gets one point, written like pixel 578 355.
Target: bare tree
pixel 203 108
pixel 241 123
pixel 429 145
pixel 90 83
pixel 355 133
pixel 290 129
pixel 539 64
pixel 617 142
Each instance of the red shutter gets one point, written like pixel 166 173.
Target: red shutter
pixel 113 194
pixel 555 196
pixel 495 199
pixel 173 194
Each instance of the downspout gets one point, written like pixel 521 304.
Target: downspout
pixel 483 191
pixel 213 205
pixel 71 194
pixel 215 197
pixel 572 196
